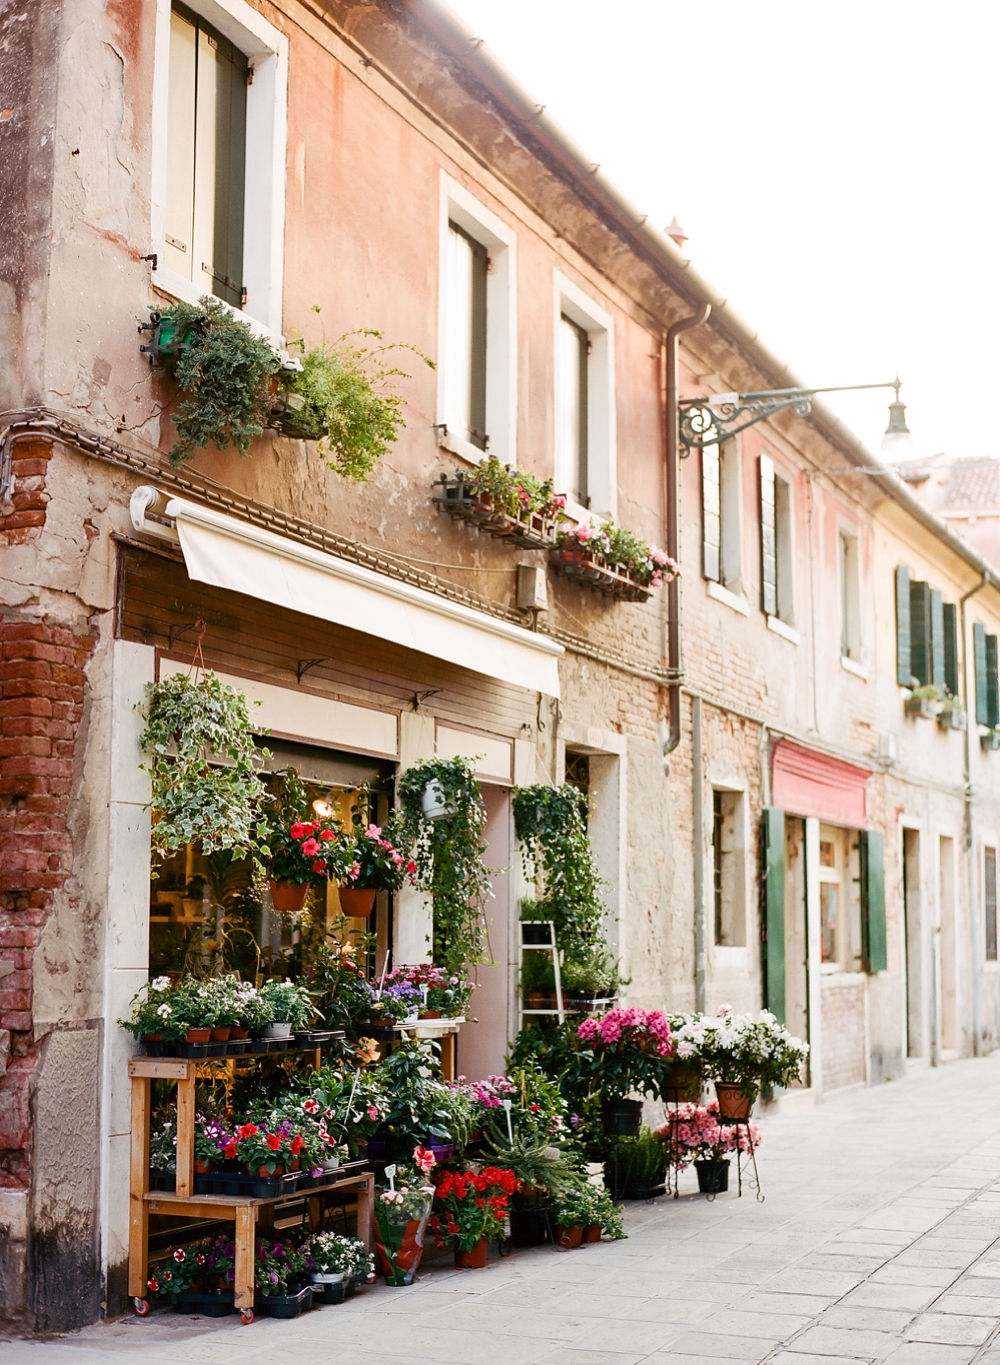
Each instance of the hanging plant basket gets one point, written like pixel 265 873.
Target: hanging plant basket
pixel 289 898
pixel 357 902
pixel 290 415
pixel 532 530
pixel 168 339
pixel 591 568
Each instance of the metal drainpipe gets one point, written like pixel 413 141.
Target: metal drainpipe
pixel 969 843
pixel 671 484
pixel 698 821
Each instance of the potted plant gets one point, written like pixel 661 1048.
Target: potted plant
pixel 394 1003
pixel 953 715
pixel 279 1271
pixel 440 995
pixel 448 856
pixel 301 854
pixel 153 1017
pixel 335 1261
pixel 471 1208
pixel 682 1081
pixel 512 504
pixel 693 1134
pixel 401 1214
pixel 742 1052
pixel 627 1050
pixel 338 982
pixel 613 561
pixel 636 1167
pixel 291 1007
pixel 924 702
pixel 572 1217
pixel 210 1140
pixel 378 865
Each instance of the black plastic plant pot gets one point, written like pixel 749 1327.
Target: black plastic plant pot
pixel 528 1227
pixel 329 1293
pixel 622 1118
pixel 713 1176
pixel 285 1305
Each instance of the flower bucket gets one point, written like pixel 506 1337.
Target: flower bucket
pixel 474 1259
pixel 569 1237
pixel 399 1239
pixel 713 1176
pixel 289 898
pixel 622 1117
pixel 357 902
pixel 733 1104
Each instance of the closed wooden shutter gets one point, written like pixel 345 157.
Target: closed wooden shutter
pixel 990 902
pixel 768 538
pixel 871 847
pixel 937 639
pixel 949 616
pixel 774 911
pixel 903 625
pixel 920 632
pixel 992 683
pixel 979 660
pixel 711 513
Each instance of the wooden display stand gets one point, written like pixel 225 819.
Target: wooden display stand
pixel 444 1031
pixel 245 1213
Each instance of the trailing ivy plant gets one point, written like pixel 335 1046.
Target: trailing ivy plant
pixel 348 404
pixel 195 800
pixel 227 371
pixel 449 856
pixel 551 823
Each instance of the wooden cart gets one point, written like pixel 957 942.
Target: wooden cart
pixel 245 1213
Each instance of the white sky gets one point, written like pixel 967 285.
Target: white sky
pixel 833 163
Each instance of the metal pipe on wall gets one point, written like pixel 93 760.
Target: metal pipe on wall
pixel 969 849
pixel 698 820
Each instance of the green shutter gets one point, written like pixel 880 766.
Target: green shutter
pixel 711 513
pixel 992 689
pixel 768 539
pixel 774 911
pixel 903 669
pixel 937 640
pixel 871 848
pixel 949 616
pixel 920 631
pixel 979 658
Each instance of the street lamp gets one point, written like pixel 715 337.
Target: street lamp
pixel 897 443
pixel 707 421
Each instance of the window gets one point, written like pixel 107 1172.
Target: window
pixel 840 904
pixel 850 596
pixel 984 648
pixel 775 543
pixel 477 345
pixel 584 402
pixel 722 517
pixel 990 902
pixel 465 336
pixel 218 215
pixel 728 869
pixel 926 635
pixel 571 419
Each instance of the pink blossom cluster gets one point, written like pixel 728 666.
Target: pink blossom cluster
pixel 664 568
pixel 490 1093
pixel 693 1133
pixel 631 1025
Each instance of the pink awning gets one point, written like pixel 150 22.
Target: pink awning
pixel 804 782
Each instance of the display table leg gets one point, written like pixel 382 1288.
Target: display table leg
pixel 448 1057
pixel 243 1273
pixel 138 1227
pixel 185 1138
pixel 366 1211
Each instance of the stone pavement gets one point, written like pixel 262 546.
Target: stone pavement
pixel 879 1240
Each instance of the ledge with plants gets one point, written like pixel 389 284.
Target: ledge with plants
pixel 612 561
pixel 511 504
pixel 236 384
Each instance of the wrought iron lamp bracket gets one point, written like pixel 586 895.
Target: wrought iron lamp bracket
pixel 705 423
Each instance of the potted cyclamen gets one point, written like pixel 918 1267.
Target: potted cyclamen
pixel 626 1051
pixel 742 1053
pixel 401 1214
pixel 301 855
pixel 470 1209
pixel 378 865
pixel 336 1263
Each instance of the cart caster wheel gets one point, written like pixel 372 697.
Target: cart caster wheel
pixel 246 1316
pixel 504 1246
pixel 141 1307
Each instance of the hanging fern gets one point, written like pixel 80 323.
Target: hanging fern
pixel 449 857
pixel 551 823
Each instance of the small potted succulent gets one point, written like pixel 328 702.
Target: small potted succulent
pixel 336 1262
pixel 291 1007
pixel 301 854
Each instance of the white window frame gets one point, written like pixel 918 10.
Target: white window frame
pixel 602 450
pixel 266 48
pixel 461 207
pixel 849 590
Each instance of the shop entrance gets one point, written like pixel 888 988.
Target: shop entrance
pixel 483 1042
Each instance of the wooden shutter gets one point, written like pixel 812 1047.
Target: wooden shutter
pixel 992 688
pixel 871 848
pixel 920 631
pixel 990 902
pixel 220 165
pixel 979 659
pixel 182 78
pixel 768 538
pixel 711 515
pixel 937 640
pixel 949 618
pixel 774 911
pixel 903 625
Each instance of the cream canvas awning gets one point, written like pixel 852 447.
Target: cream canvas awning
pixel 234 554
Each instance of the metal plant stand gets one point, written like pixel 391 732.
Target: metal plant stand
pixel 744 1160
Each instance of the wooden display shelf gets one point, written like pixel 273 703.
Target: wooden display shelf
pixel 242 1211
pixel 443 1030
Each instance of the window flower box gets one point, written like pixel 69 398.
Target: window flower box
pixel 990 741
pixel 589 567
pixel 926 708
pixel 528 528
pixel 953 717
pixel 612 561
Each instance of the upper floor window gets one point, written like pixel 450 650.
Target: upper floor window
pixel 571 419
pixel 218 214
pixel 722 514
pixel 776 576
pixel 477 347
pixel 585 442
pixel 850 595
pixel 927 638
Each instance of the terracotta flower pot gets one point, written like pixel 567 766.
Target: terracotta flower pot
pixel 474 1259
pixel 569 1237
pixel 357 902
pixel 221 1035
pixel 429 1014
pixel 198 1035
pixel 733 1104
pixel 593 1232
pixel 239 1034
pixel 289 897
pixel 203 1167
pixel 264 1173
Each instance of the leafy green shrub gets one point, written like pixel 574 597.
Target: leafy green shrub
pixel 551 823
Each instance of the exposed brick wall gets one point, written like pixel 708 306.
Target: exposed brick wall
pixel 843 1036
pixel 24 510
pixel 41 706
